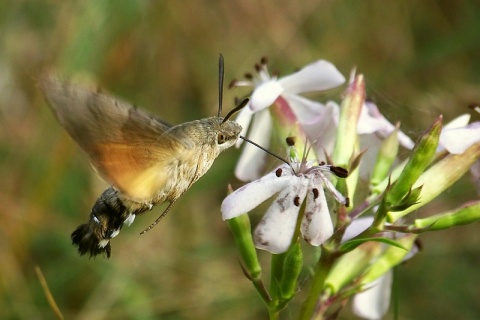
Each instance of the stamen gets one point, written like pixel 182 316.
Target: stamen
pixel 339 171
pixel 232 84
pixel 248 76
pixel 264 60
pixel 290 141
pixel 278 173
pixel 475 107
pixel 296 201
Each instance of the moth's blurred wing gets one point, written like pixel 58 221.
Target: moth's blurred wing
pixel 130 148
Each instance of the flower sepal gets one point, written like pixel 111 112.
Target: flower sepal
pixel 385 159
pixel 290 268
pixel 466 214
pixel 440 177
pixel 350 266
pixel 390 257
pixel 422 155
pixel 412 198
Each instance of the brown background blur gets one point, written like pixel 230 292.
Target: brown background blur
pixel 420 59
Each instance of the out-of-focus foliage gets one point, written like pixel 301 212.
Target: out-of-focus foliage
pixel 420 57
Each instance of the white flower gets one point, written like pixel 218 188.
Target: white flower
pixel 373 303
pixel 293 183
pixel 317 76
pixel 458 135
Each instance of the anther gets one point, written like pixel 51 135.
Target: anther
pixel 339 172
pixel 290 141
pixel 278 173
pixel 296 201
pixel 232 84
pixel 315 193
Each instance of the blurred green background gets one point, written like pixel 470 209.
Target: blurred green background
pixel 420 59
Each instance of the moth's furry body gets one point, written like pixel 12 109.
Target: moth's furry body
pixel 146 161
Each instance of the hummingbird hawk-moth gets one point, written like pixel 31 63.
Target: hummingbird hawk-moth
pixel 146 161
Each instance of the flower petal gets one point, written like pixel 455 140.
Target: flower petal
pixel 457 140
pixel 458 122
pixel 356 227
pixel 322 133
pixel 317 225
pixel 317 76
pixel 374 302
pixel 371 121
pixel 244 118
pixel 305 110
pixel 252 158
pixel 275 231
pixel 265 95
pixel 251 195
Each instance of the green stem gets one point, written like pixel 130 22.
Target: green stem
pixel 324 267
pixel 273 314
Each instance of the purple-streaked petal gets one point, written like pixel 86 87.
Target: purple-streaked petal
pixel 317 76
pixel 275 231
pixel 265 95
pixel 251 195
pixel 317 225
pixel 244 118
pixel 374 302
pixel 457 140
pixel 252 158
pixel 305 110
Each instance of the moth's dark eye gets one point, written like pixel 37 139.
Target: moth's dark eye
pixel 221 138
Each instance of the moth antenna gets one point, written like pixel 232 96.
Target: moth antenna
pixel 236 109
pixel 164 213
pixel 221 74
pixel 267 151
